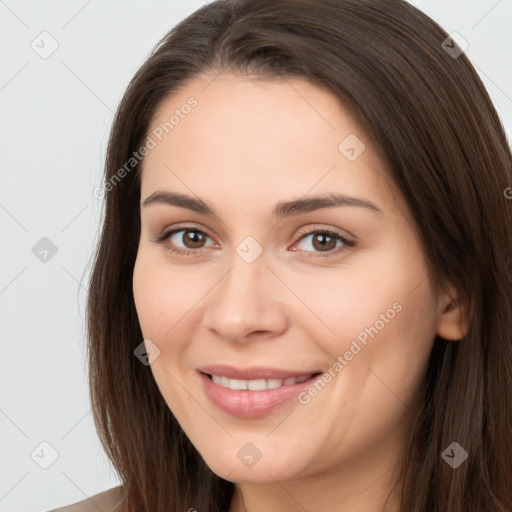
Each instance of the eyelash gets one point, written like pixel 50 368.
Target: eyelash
pixel 330 232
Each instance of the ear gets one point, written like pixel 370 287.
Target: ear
pixel 452 319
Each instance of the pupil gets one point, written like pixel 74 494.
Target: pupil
pixel 194 237
pixel 324 241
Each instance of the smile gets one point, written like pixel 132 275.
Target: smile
pixel 251 393
pixel 257 384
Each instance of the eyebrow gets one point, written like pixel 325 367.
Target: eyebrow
pixel 281 209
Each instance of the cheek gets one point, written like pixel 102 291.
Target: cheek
pixel 158 299
pixel 387 307
pixel 168 302
pixel 163 301
pixel 346 301
pixel 395 333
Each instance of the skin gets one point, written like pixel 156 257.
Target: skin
pixel 247 145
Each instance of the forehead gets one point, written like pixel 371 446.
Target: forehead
pixel 230 135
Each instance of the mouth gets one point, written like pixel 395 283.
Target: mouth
pixel 257 384
pixel 252 393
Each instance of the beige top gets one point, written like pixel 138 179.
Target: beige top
pixel 106 501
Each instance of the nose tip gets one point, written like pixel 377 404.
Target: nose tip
pixel 244 305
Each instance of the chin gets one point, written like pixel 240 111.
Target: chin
pixel 244 463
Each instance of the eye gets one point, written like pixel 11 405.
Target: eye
pixel 325 241
pixel 193 239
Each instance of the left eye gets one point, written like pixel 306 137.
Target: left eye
pixel 325 241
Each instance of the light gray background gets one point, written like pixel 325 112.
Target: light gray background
pixel 56 115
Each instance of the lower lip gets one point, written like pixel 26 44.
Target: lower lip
pixel 251 404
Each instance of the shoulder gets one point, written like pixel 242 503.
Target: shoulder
pixel 106 501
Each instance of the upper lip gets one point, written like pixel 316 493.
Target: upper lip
pixel 252 373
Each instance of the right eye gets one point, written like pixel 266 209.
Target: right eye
pixel 192 237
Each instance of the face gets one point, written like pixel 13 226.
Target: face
pixel 293 332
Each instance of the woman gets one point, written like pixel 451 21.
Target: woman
pixel 301 298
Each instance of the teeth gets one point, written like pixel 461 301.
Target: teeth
pixel 258 384
pixel 274 383
pixel 237 384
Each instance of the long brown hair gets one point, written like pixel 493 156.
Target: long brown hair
pixel 431 118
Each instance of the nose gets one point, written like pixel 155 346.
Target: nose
pixel 247 304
